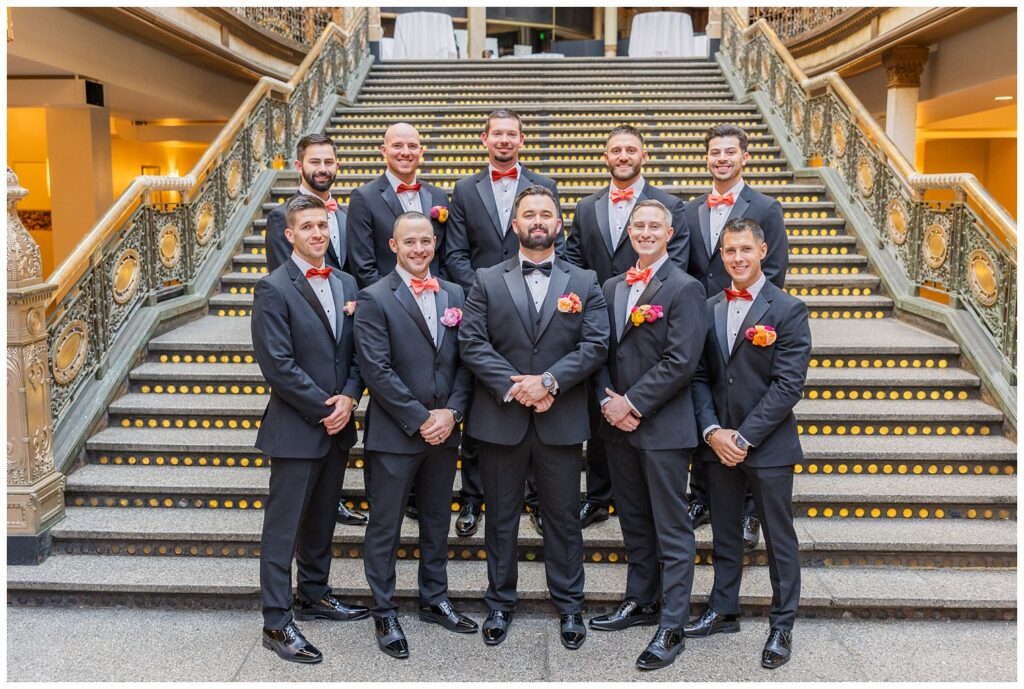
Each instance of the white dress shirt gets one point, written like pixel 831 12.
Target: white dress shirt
pixel 425 300
pixel 321 288
pixel 504 194
pixel 618 213
pixel 537 281
pixel 637 288
pixel 332 223
pixel 410 200
pixel 720 213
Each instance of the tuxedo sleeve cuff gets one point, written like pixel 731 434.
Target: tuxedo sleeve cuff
pixel 635 410
pixel 704 433
pixel 749 444
pixel 508 395
pixel 605 401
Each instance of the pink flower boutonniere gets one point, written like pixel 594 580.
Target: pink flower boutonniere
pixel 349 308
pixel 452 317
pixel 570 303
pixel 761 335
pixel 439 213
pixel 646 313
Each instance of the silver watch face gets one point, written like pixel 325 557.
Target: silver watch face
pixel 741 443
pixel 547 380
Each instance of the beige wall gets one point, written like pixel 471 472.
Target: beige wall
pixel 992 161
pixel 171 157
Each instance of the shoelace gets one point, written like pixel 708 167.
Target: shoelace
pixel 446 607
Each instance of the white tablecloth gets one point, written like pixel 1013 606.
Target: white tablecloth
pixel 424 36
pixel 387 49
pixel 662 34
pixel 700 45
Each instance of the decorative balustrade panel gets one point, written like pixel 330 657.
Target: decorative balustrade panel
pixel 297 24
pixel 156 247
pixel 789 22
pixel 943 247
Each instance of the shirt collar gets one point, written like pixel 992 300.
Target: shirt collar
pixel 544 260
pixel 491 168
pixel 637 187
pixel 394 180
pixel 307 192
pixel 406 276
pixel 755 289
pixel 735 190
pixel 305 265
pixel 656 266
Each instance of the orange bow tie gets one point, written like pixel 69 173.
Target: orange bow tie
pixel 403 187
pixel 622 194
pixel 318 272
pixel 633 275
pixel 332 205
pixel 716 200
pixel 512 174
pixel 731 294
pixel 420 286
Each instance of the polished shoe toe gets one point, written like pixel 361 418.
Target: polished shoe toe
pixel 699 514
pixel 751 533
pixel 290 645
pixel 468 521
pixel 444 614
pixel 495 627
pixel 572 630
pixel 712 623
pixel 628 614
pixel 412 512
pixel 391 638
pixel 590 513
pixel 663 650
pixel 777 649
pixel 349 517
pixel 328 608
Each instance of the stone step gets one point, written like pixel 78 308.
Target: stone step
pixel 681 98
pixel 667 141
pixel 814 495
pixel 376 81
pixel 207 532
pixel 650 124
pixel 577 166
pixel 568 87
pixel 569 182
pixel 546 112
pixel 541 159
pixel 233 583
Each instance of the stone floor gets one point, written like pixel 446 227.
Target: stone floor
pixel 95 644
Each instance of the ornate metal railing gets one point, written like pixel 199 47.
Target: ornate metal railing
pixel 789 22
pixel 140 249
pixel 300 25
pixel 965 249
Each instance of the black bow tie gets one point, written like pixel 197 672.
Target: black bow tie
pixel 529 267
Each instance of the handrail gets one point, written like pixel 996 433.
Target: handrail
pixel 962 182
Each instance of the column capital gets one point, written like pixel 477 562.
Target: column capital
pixel 903 66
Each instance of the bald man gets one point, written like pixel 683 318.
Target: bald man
pixel 374 207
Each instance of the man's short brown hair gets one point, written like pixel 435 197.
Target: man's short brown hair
pixel 299 203
pixel 308 140
pixel 533 190
pixel 722 130
pixel 625 129
pixel 503 114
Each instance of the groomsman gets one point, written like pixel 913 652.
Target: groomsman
pixel 480 235
pixel 598 241
pixel 657 312
pixel 751 376
pixel 406 327
pixel 304 345
pixel 535 329
pixel 374 207
pixel 730 197
pixel 317 163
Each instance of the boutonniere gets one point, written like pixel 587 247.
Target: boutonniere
pixel 452 317
pixel 349 308
pixel 646 313
pixel 761 335
pixel 439 213
pixel 570 303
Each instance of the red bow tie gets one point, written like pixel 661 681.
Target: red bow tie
pixel 633 275
pixel 731 294
pixel 622 194
pixel 332 205
pixel 403 187
pixel 420 286
pixel 511 174
pixel 716 200
pixel 318 272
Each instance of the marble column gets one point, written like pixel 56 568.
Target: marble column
pixel 903 67
pixel 611 31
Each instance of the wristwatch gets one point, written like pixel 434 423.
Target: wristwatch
pixel 709 434
pixel 548 381
pixel 741 442
pixel 456 414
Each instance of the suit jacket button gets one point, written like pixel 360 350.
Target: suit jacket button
pixel 730 381
pixel 505 252
pixel 619 356
pixel 536 351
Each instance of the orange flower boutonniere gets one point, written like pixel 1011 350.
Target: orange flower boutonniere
pixel 570 303
pixel 761 335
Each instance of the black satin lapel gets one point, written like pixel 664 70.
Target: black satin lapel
pixel 739 207
pixel 486 191
pixel 602 208
pixel 757 310
pixel 338 292
pixel 440 303
pixel 722 327
pixel 556 288
pixel 405 298
pixel 621 299
pixel 391 198
pixel 302 284
pixel 425 201
pixel 704 213
pixel 517 288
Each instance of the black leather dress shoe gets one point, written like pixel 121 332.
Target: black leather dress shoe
pixel 391 638
pixel 411 511
pixel 751 533
pixel 573 632
pixel 536 522
pixel 289 644
pixel 327 608
pixel 350 517
pixel 712 623
pixel 591 513
pixel 629 614
pixel 448 617
pixel 495 627
pixel 663 649
pixel 777 649
pixel 468 521
pixel 699 514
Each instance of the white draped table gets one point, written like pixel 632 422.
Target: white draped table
pixel 662 34
pixel 424 36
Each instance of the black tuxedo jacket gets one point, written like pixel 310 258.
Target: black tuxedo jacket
pixel 304 363
pixel 372 210
pixel 475 238
pixel 500 338
pixel 279 250
pixel 751 388
pixel 706 260
pixel 653 363
pixel 406 374
pixel 589 243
